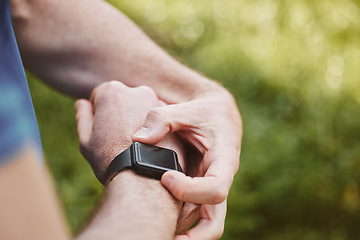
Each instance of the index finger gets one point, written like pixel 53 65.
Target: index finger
pixel 212 188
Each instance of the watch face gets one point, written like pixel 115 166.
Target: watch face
pixel 153 157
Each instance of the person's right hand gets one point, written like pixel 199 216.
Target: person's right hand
pixel 211 123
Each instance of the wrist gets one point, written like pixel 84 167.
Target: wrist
pixel 148 204
pixel 134 207
pixel 146 160
pixel 99 158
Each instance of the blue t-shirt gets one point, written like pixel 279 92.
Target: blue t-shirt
pixel 18 126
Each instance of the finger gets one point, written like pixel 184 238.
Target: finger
pixel 188 215
pixel 155 127
pixel 201 190
pixel 160 121
pixel 210 226
pixel 84 120
pixel 220 165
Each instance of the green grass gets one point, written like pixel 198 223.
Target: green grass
pixel 293 67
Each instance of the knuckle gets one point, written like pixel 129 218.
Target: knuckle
pixel 220 195
pixel 111 86
pixel 108 90
pixel 146 89
pixel 114 86
pixel 147 93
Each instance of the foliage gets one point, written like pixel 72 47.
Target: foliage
pixel 293 67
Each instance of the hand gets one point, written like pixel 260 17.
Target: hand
pixel 107 122
pixel 210 225
pixel 211 122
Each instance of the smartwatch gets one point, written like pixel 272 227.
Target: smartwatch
pixel 144 159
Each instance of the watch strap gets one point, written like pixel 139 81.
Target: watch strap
pixel 120 162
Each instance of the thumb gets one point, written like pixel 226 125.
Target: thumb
pixel 158 123
pixel 84 120
pixel 188 215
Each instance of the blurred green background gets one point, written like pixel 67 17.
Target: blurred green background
pixel 294 68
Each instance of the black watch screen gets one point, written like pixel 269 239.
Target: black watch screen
pixel 153 161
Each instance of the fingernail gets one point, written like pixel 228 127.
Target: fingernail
pixel 168 180
pixel 142 133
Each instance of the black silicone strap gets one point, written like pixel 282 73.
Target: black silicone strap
pixel 120 162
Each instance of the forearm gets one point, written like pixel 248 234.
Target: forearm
pixel 76 45
pixel 28 205
pixel 134 207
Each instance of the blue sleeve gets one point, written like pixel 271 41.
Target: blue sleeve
pixel 15 127
pixel 18 125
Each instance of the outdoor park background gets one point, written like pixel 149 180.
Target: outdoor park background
pixel 294 68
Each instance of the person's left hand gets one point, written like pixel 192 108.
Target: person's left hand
pixel 103 130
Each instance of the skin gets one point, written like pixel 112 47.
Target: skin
pixel 76 45
pixel 149 207
pixel 28 202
